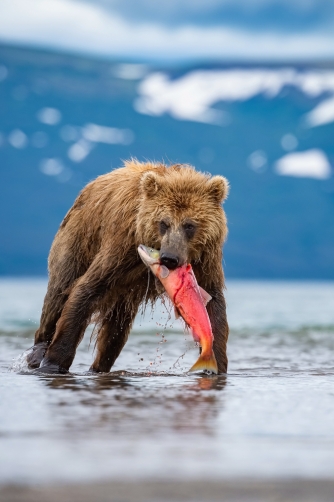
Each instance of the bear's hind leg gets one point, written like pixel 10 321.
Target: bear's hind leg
pixel 113 335
pixel 54 302
pixel 80 305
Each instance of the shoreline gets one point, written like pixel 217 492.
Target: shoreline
pixel 236 490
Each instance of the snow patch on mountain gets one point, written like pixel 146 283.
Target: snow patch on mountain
pixel 322 114
pixel 309 164
pixel 192 96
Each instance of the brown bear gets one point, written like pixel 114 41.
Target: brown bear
pixel 95 269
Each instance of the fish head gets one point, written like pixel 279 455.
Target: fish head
pixel 151 258
pixel 149 255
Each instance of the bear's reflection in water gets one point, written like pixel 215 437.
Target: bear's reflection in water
pixel 124 403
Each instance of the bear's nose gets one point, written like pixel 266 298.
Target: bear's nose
pixel 169 260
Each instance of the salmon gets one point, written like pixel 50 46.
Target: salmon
pixel 189 301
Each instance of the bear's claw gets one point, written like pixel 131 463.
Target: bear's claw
pixel 49 368
pixel 36 355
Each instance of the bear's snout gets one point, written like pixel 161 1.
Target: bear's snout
pixel 170 260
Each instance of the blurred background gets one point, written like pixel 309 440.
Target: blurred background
pixel 239 88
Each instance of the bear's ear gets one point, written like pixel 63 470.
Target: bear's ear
pixel 218 188
pixel 150 184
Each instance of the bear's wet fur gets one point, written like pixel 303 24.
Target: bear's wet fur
pixel 95 270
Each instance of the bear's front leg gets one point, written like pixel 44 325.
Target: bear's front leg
pixel 217 313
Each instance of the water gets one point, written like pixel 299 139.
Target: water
pixel 271 417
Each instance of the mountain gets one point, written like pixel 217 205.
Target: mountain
pixel 269 129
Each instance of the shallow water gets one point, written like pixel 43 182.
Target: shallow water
pixel 271 416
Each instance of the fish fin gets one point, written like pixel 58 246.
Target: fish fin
pixel 205 296
pixel 177 313
pixel 205 363
pixel 164 272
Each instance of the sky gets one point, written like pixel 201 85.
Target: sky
pixel 174 30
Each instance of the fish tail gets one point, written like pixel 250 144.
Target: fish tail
pixel 205 363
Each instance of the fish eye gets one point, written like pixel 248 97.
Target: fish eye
pixel 163 227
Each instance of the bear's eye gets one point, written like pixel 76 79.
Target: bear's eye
pixel 189 229
pixel 163 227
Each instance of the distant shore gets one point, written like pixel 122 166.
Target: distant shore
pixel 292 490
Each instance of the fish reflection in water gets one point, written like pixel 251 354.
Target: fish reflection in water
pixel 126 403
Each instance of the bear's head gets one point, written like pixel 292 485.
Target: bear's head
pixel 180 213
